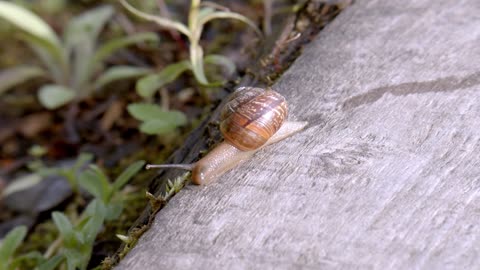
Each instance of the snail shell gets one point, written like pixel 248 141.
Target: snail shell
pixel 252 116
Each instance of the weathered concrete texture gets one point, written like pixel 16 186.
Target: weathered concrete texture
pixel 386 177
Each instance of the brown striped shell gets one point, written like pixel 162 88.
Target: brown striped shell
pixel 252 116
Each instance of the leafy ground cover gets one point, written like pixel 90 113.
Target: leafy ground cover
pixel 90 90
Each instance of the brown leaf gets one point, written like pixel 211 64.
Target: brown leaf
pixel 33 124
pixel 115 111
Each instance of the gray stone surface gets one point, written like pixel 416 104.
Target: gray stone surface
pixel 386 177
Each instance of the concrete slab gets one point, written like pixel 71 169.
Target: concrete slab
pixel 386 177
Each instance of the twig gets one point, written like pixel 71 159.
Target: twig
pixel 214 5
pixel 267 17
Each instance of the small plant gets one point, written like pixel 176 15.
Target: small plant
pixel 198 17
pixel 9 244
pixel 171 188
pixel 174 187
pixel 69 172
pixel 76 234
pixel 40 171
pixel 72 64
pixel 108 194
pixel 78 240
pixel 79 236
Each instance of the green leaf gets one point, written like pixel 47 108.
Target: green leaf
pixel 113 210
pixel 80 37
pixel 90 230
pixel 82 159
pixel 221 61
pixel 120 73
pixel 88 180
pixel 204 12
pixel 10 243
pixel 111 46
pixel 163 22
pixel 146 111
pixel 65 228
pixel 53 96
pixel 51 263
pixel 156 120
pixel 228 15
pixel 52 57
pixel 157 126
pixel 28 22
pixel 91 210
pixel 148 85
pixel 76 259
pixel 130 171
pixel 87 26
pixel 17 75
pixel 38 35
pixel 30 256
pixel 95 182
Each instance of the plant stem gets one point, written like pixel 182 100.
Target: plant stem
pixel 72 135
pixel 52 249
pixel 196 52
pixel 193 14
pixel 75 218
pixel 267 17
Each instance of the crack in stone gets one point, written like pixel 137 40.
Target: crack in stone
pixel 446 84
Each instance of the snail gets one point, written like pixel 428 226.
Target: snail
pixel 251 119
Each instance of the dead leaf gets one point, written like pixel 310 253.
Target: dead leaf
pixel 33 124
pixel 113 112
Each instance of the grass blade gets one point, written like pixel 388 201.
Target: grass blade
pixel 21 183
pixel 28 22
pixel 80 41
pixel 10 243
pixel 65 228
pixel 147 86
pixel 51 263
pixel 128 173
pixel 166 23
pixel 95 182
pixel 119 73
pixel 87 26
pixel 53 58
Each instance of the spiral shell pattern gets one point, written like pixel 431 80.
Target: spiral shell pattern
pixel 252 116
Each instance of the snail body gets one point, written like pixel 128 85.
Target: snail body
pixel 252 119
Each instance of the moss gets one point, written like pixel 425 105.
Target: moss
pixel 40 240
pixel 156 204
